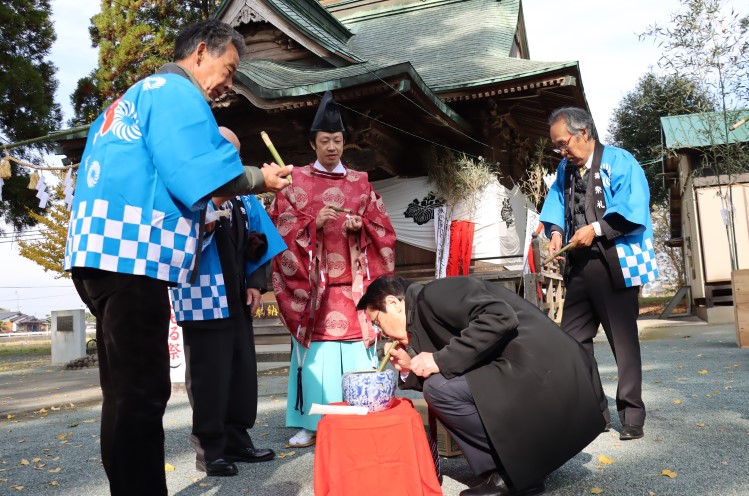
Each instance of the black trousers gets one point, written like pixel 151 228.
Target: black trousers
pixel 132 324
pixel 454 406
pixel 591 300
pixel 221 381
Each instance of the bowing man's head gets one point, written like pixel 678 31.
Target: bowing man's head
pixel 385 305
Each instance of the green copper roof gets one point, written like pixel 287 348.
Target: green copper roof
pixel 318 23
pixel 705 129
pixel 312 19
pixel 451 43
pixel 274 80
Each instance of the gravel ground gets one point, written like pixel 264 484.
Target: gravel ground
pixel 696 388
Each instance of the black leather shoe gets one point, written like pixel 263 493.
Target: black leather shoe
pixel 494 485
pixel 218 467
pixel 250 455
pixel 630 432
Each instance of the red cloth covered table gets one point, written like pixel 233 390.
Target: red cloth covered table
pixel 382 453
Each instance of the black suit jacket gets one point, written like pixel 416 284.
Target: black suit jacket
pixel 534 386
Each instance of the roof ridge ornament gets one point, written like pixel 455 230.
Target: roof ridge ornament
pixel 247 15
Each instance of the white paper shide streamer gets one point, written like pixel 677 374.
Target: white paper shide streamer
pixel 42 194
pixel 68 185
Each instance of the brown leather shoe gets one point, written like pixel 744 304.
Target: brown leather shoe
pixel 630 432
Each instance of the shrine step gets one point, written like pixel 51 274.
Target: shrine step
pixel 273 353
pixel 272 341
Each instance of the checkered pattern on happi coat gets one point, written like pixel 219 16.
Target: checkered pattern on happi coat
pixel 204 300
pixel 637 262
pixel 122 240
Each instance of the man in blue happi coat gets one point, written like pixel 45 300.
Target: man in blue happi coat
pixel 152 161
pixel 600 204
pixel 215 313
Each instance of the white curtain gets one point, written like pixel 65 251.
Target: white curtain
pixel 500 218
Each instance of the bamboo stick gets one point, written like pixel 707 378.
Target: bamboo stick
pixel 339 209
pixel 555 255
pixel 385 359
pixel 273 151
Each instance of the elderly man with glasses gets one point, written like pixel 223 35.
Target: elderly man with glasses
pixel 519 396
pixel 600 205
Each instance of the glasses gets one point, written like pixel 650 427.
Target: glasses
pixel 563 148
pixel 376 323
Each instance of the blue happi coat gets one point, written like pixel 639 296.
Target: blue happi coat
pixel 206 299
pixel 626 192
pixel 150 162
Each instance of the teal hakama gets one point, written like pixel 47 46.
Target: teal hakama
pixel 324 365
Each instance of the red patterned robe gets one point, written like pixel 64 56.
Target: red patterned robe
pixel 321 277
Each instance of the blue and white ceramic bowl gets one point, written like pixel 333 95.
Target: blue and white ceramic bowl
pixel 375 390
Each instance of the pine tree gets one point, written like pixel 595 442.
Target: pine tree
pixel 135 38
pixel 27 89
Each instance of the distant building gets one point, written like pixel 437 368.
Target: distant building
pixel 20 322
pixel 699 198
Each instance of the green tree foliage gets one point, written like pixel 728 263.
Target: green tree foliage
pixel 636 122
pixel 86 100
pixel 135 38
pixel 49 252
pixel 27 89
pixel 707 43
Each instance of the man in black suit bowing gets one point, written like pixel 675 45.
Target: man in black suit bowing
pixel 519 396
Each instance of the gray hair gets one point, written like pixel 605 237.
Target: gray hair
pixel 216 34
pixel 575 119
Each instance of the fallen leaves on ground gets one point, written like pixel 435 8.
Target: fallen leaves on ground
pixel 677 402
pixel 669 473
pixel 605 460
pixel 54 470
pixel 596 490
pixel 702 372
pixel 168 467
pixel 24 461
pixel 284 455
